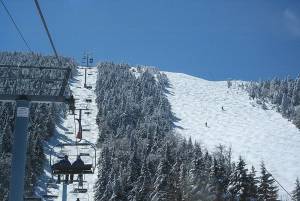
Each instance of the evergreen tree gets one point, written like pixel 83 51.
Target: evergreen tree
pixel 146 185
pixel 117 188
pixel 219 180
pixel 103 173
pixel 134 167
pixel 253 191
pixel 284 104
pixel 239 182
pixel 7 139
pixel 296 192
pixel 175 180
pixel 267 191
pixel 163 187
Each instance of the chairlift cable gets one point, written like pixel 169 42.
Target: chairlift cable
pixel 280 184
pixel 65 81
pixel 46 28
pixel 16 26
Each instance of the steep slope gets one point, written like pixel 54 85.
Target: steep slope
pixel 252 132
pixel 65 134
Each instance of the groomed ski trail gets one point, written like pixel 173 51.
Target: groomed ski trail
pixel 65 133
pixel 252 132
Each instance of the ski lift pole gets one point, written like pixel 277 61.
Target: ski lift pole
pixel 64 192
pixel 19 150
pixel 88 60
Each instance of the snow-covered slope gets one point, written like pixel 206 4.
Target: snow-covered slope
pixel 252 132
pixel 66 134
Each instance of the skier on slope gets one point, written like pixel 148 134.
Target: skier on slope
pixel 223 108
pixel 206 124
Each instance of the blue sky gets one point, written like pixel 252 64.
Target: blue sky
pixel 212 39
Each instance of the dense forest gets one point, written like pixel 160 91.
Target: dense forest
pixel 142 159
pixel 43 118
pixel 284 94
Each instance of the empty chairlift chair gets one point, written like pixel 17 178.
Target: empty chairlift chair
pixel 80 187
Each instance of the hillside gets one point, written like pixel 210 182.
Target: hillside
pixel 252 132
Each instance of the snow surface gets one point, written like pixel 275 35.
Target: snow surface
pixel 65 133
pixel 252 132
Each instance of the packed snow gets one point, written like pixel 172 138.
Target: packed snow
pixel 65 133
pixel 252 132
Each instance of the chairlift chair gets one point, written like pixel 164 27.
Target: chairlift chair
pixel 33 198
pixel 80 188
pixel 89 160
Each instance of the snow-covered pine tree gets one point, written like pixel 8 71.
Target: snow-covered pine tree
pixel 253 181
pixel 267 190
pixel 296 120
pixel 284 105
pixel 163 187
pixel 296 192
pixel 117 188
pixel 239 182
pixel 103 173
pixel 134 167
pixel 6 139
pixel 143 193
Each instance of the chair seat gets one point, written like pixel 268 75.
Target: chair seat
pixel 86 169
pixel 50 196
pixel 80 190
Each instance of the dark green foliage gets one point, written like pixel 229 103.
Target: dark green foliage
pixel 239 182
pixel 267 191
pixel 253 182
pixel 296 192
pixel 104 168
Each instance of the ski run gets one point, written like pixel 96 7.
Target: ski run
pixel 242 124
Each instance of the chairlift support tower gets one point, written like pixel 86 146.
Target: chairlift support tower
pixel 86 60
pixel 25 80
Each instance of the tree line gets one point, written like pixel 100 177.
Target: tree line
pixel 283 93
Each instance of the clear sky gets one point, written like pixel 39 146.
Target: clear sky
pixel 212 39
